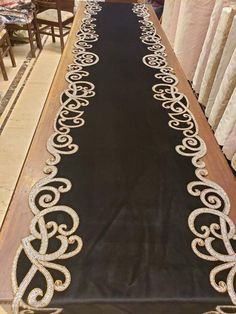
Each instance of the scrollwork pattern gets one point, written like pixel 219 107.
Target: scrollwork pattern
pixel 44 198
pixel 223 309
pixel 215 201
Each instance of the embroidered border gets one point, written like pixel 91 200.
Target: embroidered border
pixel 45 196
pixel 214 199
pixel 222 310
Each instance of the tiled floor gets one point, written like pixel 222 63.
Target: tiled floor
pixel 22 112
pixel 10 90
pixel 20 52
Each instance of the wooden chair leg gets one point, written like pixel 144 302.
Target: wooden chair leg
pixel 10 51
pixel 2 66
pixel 53 34
pixel 31 40
pixel 37 35
pixel 10 33
pixel 61 38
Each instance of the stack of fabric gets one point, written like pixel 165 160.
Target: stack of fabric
pixel 14 3
pixel 16 12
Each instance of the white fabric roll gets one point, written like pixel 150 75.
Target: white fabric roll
pixel 233 163
pixel 225 59
pixel 174 22
pixel 227 121
pixel 226 90
pixel 193 22
pixel 229 147
pixel 167 16
pixel 215 54
pixel 202 62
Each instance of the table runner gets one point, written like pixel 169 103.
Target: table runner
pixel 120 165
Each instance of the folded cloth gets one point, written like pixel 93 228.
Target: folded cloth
pixel 15 3
pixel 22 13
pixel 8 2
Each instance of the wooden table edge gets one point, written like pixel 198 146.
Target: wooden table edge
pixel 7 254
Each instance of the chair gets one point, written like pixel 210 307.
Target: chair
pixel 55 14
pixel 33 35
pixel 30 25
pixel 5 48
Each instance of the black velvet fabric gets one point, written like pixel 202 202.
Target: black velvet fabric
pixel 130 190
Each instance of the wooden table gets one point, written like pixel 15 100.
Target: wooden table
pixel 19 216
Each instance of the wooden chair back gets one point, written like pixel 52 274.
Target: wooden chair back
pixel 47 24
pixel 67 5
pixel 61 5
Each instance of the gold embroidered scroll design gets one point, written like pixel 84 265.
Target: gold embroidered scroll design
pixel 214 199
pixel 45 195
pixel 223 309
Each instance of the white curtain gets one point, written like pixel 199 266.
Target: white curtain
pixel 185 24
pixel 206 48
pixel 224 62
pixel 229 147
pixel 218 88
pixel 227 120
pixel 216 52
pixel 193 21
pixel 233 162
pixel 225 91
pixel 170 18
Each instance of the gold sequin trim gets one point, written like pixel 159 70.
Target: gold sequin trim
pixel 45 196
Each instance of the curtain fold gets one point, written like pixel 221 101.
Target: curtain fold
pixel 227 121
pixel 202 62
pixel 195 16
pixel 170 18
pixel 229 147
pixel 233 163
pixel 224 62
pixel 174 21
pixel 216 52
pixel 223 96
pixel 179 17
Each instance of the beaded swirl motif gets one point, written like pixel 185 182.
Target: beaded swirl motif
pixel 214 199
pixel 44 199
